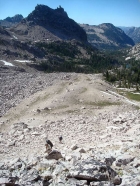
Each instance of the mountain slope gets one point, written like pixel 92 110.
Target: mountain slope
pixel 11 21
pixel 107 36
pixel 46 23
pixel 134 33
pixel 94 123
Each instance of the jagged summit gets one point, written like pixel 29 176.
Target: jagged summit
pixel 42 15
pixel 47 23
pixel 45 11
pixel 15 19
pixel 11 21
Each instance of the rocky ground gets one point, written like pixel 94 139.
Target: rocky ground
pixel 134 52
pixel 100 130
pixel 17 84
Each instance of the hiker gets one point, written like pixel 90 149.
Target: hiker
pixel 49 146
pixel 60 139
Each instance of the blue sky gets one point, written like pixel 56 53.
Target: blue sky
pixel 93 12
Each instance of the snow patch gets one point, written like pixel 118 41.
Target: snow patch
pixel 37 41
pixel 23 61
pixel 127 58
pixel 15 37
pixel 7 63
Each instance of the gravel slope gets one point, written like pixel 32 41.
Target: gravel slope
pixel 83 108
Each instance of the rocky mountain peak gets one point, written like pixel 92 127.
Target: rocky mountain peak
pixel 45 23
pixel 107 25
pixel 11 21
pixel 61 11
pixel 17 18
pixel 42 14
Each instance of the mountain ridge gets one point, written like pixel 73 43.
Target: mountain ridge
pixel 107 36
pixel 11 21
pixel 133 32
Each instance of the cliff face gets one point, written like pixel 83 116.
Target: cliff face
pixel 107 36
pixel 134 52
pixel 46 23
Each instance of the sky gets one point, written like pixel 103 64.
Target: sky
pixel 92 12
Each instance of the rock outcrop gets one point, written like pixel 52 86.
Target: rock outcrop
pixel 48 172
pixel 133 52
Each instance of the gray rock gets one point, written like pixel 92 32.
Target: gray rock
pixel 138 183
pixel 45 164
pixel 102 183
pixel 75 182
pixel 82 150
pixel 47 175
pixel 91 170
pixel 74 147
pixel 68 158
pixel 124 159
pixel 54 154
pixel 109 160
pixel 136 163
pixel 19 126
pixel 117 180
pixel 12 143
pixel 7 181
pixel 31 176
pixel 1 165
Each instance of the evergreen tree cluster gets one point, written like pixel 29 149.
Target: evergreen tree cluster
pixel 127 76
pixel 67 57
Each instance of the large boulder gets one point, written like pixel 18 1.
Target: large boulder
pixel 54 154
pixel 93 170
pixel 6 181
pixel 124 159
